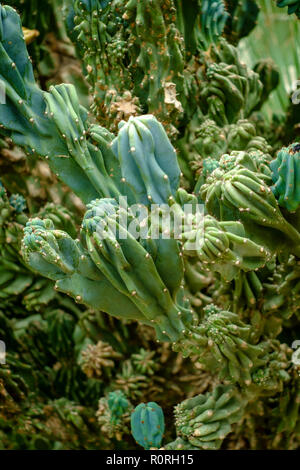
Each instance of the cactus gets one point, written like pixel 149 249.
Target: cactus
pixel 242 20
pixel 213 19
pixel 285 177
pixel 114 415
pixel 104 316
pixel 98 359
pixel 17 202
pixel 225 248
pixel 205 420
pixel 293 6
pixel 235 193
pixel 148 425
pixel 225 346
pixel 117 93
pixel 225 99
pixel 118 404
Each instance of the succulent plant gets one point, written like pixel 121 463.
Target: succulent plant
pixel 104 317
pixel 285 177
pixel 147 425
pixel 205 420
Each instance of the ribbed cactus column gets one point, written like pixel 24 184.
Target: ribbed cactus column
pixel 148 425
pixel 286 177
pixel 129 267
pixel 223 343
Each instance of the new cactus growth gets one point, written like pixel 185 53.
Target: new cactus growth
pixel 118 404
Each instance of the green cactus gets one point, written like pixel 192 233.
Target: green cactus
pixel 293 6
pixel 148 161
pixel 144 287
pixel 144 363
pixel 113 26
pixel 208 166
pixel 176 119
pixel 225 98
pixel 147 425
pixel 118 405
pixel 17 202
pixel 224 247
pixel 285 175
pixel 114 415
pixel 205 420
pixel 213 19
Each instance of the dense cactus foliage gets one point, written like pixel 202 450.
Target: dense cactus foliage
pixel 293 6
pixel 123 329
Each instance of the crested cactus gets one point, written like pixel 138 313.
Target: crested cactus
pixel 205 420
pixel 118 404
pixel 224 98
pixel 181 285
pixel 243 18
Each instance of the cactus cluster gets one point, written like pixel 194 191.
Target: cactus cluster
pixel 121 332
pixel 293 6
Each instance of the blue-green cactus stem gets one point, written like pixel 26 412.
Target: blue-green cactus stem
pixel 293 6
pixel 61 217
pixel 100 168
pixel 148 425
pixel 148 160
pixel 243 194
pixel 53 124
pixel 129 266
pixel 255 161
pixel 50 251
pixel 54 254
pixel 230 89
pixel 18 202
pixel 208 166
pixel 213 17
pixel 286 177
